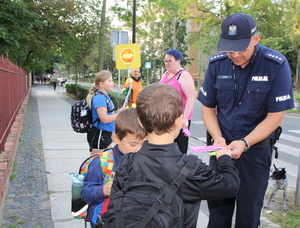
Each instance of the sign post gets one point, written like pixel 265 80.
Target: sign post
pixel 118 37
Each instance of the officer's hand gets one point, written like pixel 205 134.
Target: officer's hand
pixel 220 141
pixel 237 148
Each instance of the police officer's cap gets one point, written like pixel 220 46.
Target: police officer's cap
pixel 237 30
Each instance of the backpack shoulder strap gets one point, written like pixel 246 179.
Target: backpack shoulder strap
pixel 186 169
pixel 124 169
pixel 107 164
pixel 127 160
pixel 85 164
pixel 168 193
pixel 109 109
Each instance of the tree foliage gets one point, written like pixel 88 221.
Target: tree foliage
pixel 274 23
pixel 37 33
pixel 14 15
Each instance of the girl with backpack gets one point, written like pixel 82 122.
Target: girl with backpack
pixel 99 136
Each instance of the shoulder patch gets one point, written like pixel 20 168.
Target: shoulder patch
pixel 217 57
pixel 275 57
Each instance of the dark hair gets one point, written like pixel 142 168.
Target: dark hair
pixel 158 106
pixel 127 123
pixel 175 53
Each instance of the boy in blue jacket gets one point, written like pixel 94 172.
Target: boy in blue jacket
pixel 128 137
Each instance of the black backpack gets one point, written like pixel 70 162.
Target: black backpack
pixel 81 115
pixel 147 204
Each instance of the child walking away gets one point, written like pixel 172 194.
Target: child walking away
pixel 183 180
pixel 128 137
pixel 99 136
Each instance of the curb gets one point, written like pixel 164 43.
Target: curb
pixel 7 157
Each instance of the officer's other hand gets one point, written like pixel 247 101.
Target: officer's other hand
pixel 220 141
pixel 237 147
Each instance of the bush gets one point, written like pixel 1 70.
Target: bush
pixel 81 92
pixel 78 90
pixel 118 100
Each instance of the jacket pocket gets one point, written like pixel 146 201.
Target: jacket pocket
pixel 257 94
pixel 225 92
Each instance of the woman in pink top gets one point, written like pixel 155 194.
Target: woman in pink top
pixel 182 80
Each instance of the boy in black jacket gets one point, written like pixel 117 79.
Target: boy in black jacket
pixel 159 109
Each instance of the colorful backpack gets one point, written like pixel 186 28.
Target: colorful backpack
pixel 81 114
pixel 79 207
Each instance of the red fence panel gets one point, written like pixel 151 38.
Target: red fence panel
pixel 13 89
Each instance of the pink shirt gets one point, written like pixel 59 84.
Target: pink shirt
pixel 174 82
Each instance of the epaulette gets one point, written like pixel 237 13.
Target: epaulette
pixel 275 56
pixel 217 57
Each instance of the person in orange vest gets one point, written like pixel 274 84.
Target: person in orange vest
pixel 136 86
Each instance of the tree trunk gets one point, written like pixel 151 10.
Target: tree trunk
pixel 101 37
pixel 297 78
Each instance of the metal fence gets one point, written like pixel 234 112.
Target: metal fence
pixel 13 88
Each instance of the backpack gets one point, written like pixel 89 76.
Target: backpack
pixel 79 208
pixel 81 114
pixel 146 204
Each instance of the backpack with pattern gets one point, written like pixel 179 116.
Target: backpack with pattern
pixel 81 114
pixel 79 207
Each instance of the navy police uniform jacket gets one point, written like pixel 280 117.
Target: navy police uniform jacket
pixel 244 96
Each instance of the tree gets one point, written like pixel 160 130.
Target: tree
pixel 15 16
pixel 32 32
pixel 292 19
pixel 101 36
pixel 51 28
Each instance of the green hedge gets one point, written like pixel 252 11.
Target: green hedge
pixel 81 91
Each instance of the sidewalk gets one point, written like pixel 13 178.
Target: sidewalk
pixel 63 150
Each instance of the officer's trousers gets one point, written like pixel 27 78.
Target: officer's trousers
pixel 254 171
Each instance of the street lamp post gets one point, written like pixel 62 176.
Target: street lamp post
pixel 133 21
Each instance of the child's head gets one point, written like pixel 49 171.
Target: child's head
pixel 158 107
pixel 102 76
pixel 102 79
pixel 129 135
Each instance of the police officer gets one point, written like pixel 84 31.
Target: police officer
pixel 246 90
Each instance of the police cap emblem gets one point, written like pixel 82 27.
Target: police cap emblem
pixel 232 30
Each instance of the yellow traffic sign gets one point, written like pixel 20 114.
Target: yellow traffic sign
pixel 127 56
